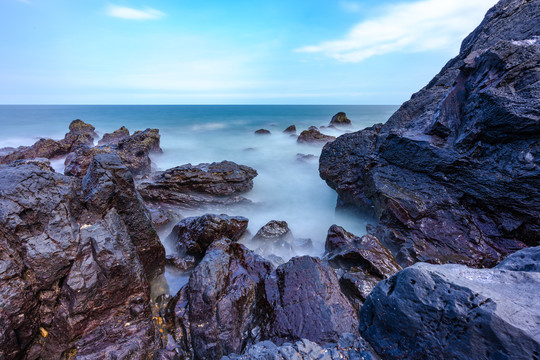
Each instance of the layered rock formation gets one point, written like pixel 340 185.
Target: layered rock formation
pixel 453 176
pixel 198 185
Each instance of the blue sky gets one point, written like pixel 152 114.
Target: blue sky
pixel 227 52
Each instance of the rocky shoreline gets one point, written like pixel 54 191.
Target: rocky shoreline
pixel 452 177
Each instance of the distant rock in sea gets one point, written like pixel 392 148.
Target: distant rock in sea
pixel 340 119
pixel 262 132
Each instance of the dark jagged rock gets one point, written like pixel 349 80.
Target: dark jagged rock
pixel 454 312
pixel 349 346
pixel 345 250
pixel 340 119
pixel 80 133
pixel 135 149
pixel 305 301
pixel 188 185
pixel 216 313
pixel 453 174
pixel 134 152
pixel 290 130
pixel 115 137
pixel 313 135
pixel 274 238
pixel 109 184
pixel 105 293
pixel 71 264
pixel 365 262
pixel 262 132
pixel 194 235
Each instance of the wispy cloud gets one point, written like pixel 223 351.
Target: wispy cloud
pixel 133 14
pixel 411 27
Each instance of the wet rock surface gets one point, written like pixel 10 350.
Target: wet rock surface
pixel 453 175
pixel 340 119
pixel 313 135
pixel 363 262
pixel 349 346
pixel 452 311
pixel 115 137
pixel 76 258
pixel 194 235
pixel 198 185
pixel 275 240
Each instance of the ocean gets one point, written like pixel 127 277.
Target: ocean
pixel 286 188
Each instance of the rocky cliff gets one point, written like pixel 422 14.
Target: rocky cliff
pixel 454 175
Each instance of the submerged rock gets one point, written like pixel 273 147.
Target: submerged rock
pixel 189 185
pixel 451 311
pixel 453 175
pixel 313 135
pixel 340 119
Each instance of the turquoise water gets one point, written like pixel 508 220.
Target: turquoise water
pixel 285 189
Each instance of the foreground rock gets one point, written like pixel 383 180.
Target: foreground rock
pixel 451 311
pixel 364 262
pixel 75 262
pixel 80 134
pixel 276 241
pixel 115 137
pixel 349 346
pixel 340 119
pixel 453 174
pixel 235 298
pixel 203 184
pixel 313 135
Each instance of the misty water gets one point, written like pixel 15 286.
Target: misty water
pixel 286 188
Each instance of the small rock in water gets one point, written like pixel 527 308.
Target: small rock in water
pixel 290 130
pixel 313 135
pixel 340 119
pixel 262 132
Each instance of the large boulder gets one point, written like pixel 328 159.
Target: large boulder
pixel 305 301
pixel 454 312
pixel 115 137
pixel 218 312
pixel 453 175
pixel 193 235
pixel 194 185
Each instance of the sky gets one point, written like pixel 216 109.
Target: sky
pixel 227 52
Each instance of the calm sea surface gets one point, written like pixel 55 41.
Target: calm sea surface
pixel 285 189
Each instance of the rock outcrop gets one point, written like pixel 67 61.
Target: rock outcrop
pixel 453 175
pixel 198 185
pixel 115 137
pixel 80 134
pixel 75 263
pixel 340 119
pixel 290 130
pixel 313 135
pixel 262 132
pixel 455 312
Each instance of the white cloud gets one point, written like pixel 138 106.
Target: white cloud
pixel 134 14
pixel 409 27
